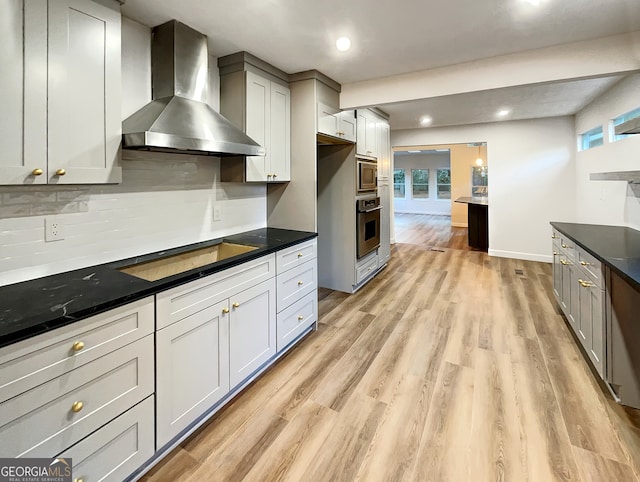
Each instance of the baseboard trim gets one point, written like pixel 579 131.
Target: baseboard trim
pixel 523 256
pixel 460 225
pixel 432 213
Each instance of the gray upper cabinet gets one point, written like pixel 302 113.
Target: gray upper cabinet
pixel 366 144
pixel 61 123
pixel 23 92
pixel 261 107
pixel 336 123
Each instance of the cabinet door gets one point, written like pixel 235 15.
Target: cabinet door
pixel 592 323
pixel 192 369
pixel 574 296
pixel 384 252
pixel 328 120
pixel 252 330
pixel 84 118
pixel 384 150
pixel 347 125
pixel 371 147
pixel 361 133
pixel 280 155
pixel 23 92
pixel 257 125
pixel 557 273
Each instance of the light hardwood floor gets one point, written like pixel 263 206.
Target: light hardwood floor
pixel 429 230
pixel 448 366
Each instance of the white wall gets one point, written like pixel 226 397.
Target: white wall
pixel 531 164
pixel 164 201
pixel 608 202
pixel 433 161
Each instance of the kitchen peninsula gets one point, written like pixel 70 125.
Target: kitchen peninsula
pixel 478 209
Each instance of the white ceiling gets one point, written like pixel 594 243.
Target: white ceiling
pixel 388 36
pixel 392 37
pixel 524 102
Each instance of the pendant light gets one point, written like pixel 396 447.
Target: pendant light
pixel 479 160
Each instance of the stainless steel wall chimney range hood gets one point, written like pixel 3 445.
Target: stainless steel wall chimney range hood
pixel 178 119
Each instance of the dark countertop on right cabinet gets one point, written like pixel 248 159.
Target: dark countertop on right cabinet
pixel 616 246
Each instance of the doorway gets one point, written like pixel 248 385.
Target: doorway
pixel 427 181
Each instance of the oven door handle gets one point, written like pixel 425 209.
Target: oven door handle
pixel 371 210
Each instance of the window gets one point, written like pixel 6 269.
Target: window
pixel 479 181
pixel 592 138
pixel 399 183
pixel 444 183
pixel 420 183
pixel 622 119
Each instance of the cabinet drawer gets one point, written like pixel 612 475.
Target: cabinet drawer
pixel 32 362
pixel 296 255
pixel 366 270
pixel 296 319
pixel 592 266
pixel 178 303
pixel 296 283
pixel 116 450
pixel 41 422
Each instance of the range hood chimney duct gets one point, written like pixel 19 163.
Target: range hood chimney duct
pixel 178 119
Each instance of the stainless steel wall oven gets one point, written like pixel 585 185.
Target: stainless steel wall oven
pixel 367 225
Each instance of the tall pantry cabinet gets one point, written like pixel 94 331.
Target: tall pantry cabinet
pixel 61 95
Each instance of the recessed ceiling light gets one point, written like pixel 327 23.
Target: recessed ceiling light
pixel 425 120
pixel 413 152
pixel 503 112
pixel 343 44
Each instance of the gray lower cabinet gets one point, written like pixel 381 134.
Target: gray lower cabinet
pixel 252 330
pixel 578 284
pixel 185 392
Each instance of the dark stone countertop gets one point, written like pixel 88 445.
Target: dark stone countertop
pixel 33 307
pixel 616 246
pixel 480 201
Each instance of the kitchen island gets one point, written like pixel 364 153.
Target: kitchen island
pixel 478 209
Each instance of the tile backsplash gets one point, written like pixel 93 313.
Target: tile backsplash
pixel 164 201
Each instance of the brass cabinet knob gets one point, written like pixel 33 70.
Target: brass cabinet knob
pixel 37 172
pixel 274 175
pixel 225 310
pixel 77 406
pixel 554 237
pixel 78 345
pixel 300 283
pixel 299 255
pixel 564 246
pixel 584 263
pixel 236 305
pixel 78 480
pixel 555 253
pixel 300 317
pixel 564 262
pixel 60 172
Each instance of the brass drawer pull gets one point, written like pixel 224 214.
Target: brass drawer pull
pixel 300 317
pixel 236 305
pixel 77 346
pixel 61 172
pixel 300 283
pixel 299 255
pixel 585 284
pixel 564 262
pixel 584 263
pixel 37 172
pixel 225 310
pixel 77 406
pixel 564 246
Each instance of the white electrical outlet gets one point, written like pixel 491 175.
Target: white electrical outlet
pixel 216 212
pixel 53 229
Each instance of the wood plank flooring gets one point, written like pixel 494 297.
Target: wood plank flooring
pixel 429 230
pixel 448 366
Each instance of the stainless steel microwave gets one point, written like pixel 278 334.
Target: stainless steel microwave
pixel 367 175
